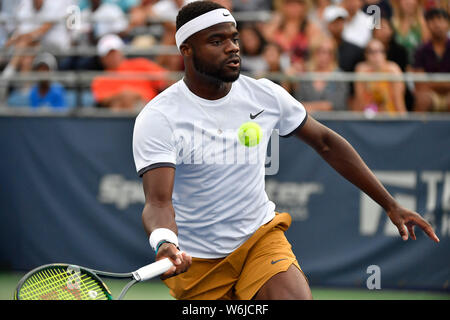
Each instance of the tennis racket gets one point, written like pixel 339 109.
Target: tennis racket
pixel 71 282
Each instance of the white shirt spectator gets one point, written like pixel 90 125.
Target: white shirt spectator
pixel 107 19
pixel 358 30
pixel 29 19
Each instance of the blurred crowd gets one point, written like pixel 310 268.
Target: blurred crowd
pixel 280 39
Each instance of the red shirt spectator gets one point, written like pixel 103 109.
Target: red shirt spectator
pixel 125 91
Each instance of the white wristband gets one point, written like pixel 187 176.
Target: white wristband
pixel 161 234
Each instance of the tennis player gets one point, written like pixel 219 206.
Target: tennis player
pixel 206 208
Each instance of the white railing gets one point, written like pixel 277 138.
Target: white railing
pixel 322 116
pixel 78 78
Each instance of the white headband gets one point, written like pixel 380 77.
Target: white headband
pixel 204 21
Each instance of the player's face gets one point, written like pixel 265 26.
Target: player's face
pixel 216 53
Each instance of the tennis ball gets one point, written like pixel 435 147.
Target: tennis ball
pixel 250 134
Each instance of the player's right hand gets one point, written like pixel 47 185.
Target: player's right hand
pixel 181 260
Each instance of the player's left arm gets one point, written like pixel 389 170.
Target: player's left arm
pixel 340 155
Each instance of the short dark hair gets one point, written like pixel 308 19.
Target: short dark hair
pixel 193 10
pixel 436 13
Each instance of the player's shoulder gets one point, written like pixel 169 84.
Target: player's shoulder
pixel 261 82
pixel 262 87
pixel 164 103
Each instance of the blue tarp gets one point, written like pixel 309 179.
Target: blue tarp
pixel 69 193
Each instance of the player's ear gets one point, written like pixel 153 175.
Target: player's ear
pixel 186 49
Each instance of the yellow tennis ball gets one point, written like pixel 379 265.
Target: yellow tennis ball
pixel 250 134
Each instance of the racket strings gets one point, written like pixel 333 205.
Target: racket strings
pixel 59 284
pixel 45 286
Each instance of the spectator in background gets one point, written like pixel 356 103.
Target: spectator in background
pixel 349 54
pixel 275 61
pixel 124 5
pixel 322 95
pixel 252 5
pixel 432 4
pixel 252 45
pixel 292 30
pixel 40 23
pixel 316 14
pixel 432 57
pixel 409 25
pixel 394 52
pixel 7 12
pixel 359 25
pixel 384 5
pixel 379 96
pixel 167 11
pixel 125 92
pixel 46 93
pixel 141 13
pixel 98 19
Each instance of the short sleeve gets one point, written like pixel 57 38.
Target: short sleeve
pixel 153 142
pixel 292 113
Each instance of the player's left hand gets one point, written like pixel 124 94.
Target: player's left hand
pixel 405 219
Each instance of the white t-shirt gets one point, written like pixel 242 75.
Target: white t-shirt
pixel 219 191
pixel 359 29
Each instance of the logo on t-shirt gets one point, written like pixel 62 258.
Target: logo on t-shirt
pixel 253 116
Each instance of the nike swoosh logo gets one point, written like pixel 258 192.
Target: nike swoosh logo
pixel 273 262
pixel 253 116
pixel 225 14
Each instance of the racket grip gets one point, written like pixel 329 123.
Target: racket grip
pixel 152 270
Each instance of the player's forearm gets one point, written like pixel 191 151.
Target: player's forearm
pixel 159 215
pixel 345 160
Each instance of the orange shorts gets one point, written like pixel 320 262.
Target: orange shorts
pixel 241 274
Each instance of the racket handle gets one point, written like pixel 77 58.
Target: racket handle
pixel 152 270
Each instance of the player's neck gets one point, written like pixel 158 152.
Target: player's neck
pixel 207 89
